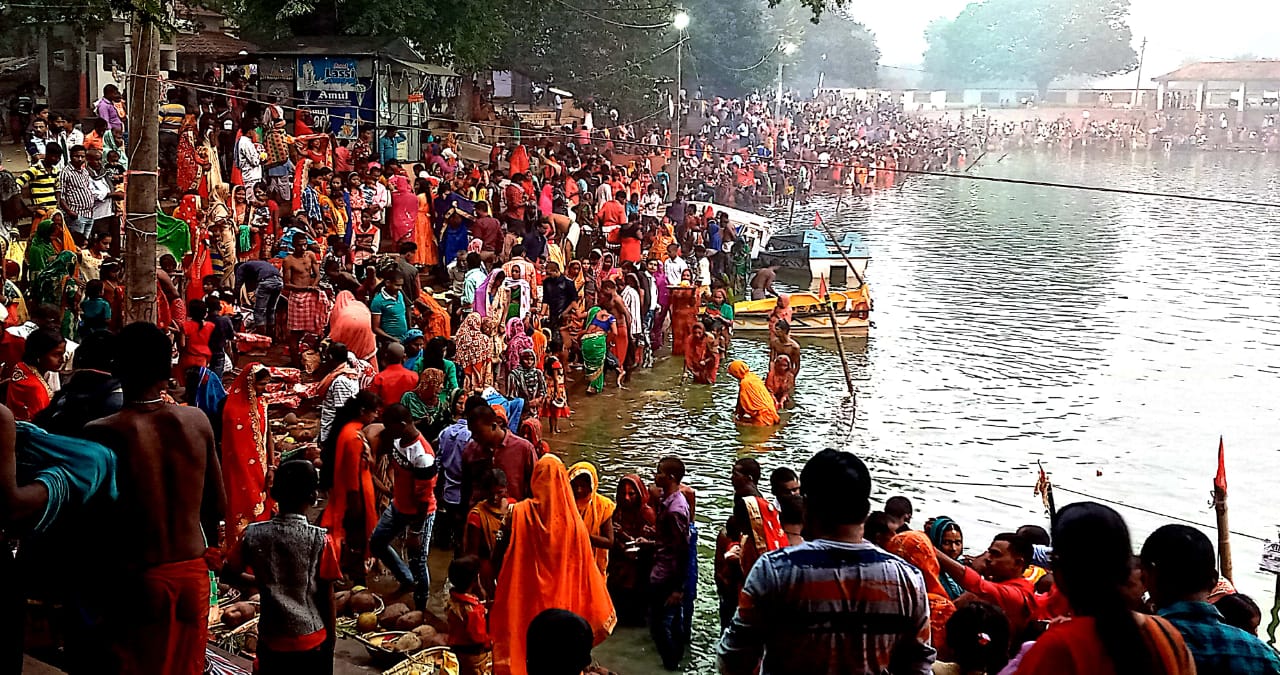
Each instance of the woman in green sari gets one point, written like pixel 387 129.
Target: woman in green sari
pixel 595 347
pixel 56 285
pixel 40 250
pixel 428 412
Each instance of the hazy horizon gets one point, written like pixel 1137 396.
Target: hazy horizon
pixel 1176 30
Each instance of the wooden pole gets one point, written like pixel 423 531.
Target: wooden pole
pixel 831 235
pixel 835 329
pixel 143 179
pixel 1220 508
pixel 1224 532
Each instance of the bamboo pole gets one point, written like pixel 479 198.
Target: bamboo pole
pixel 143 180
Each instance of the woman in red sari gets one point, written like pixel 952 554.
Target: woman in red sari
pixel 424 234
pixel 28 392
pixel 193 342
pixel 188 158
pixel 247 453
pixel 347 473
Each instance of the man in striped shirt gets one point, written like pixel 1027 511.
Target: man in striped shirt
pixel 835 604
pixel 75 195
pixel 41 182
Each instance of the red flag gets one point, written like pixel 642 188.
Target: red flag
pixel 817 219
pixel 822 286
pixel 1220 480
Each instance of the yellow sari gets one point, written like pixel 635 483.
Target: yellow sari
pixel 595 510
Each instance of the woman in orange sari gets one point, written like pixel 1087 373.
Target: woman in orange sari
pixel 701 359
pixel 916 548
pixel 424 234
pixel 596 510
pixel 351 324
pixel 755 404
pixel 347 473
pixel 435 320
pixel 549 564
pixel 247 453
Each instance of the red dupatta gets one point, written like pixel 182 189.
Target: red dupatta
pixel 351 474
pixel 244 457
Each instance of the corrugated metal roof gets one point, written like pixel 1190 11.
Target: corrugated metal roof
pixel 1232 71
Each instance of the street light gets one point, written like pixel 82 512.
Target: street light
pixel 788 49
pixel 680 22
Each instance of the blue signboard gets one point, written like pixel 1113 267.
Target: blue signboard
pixel 323 73
pixel 346 110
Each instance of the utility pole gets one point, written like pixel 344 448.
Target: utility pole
pixel 1137 86
pixel 680 22
pixel 143 180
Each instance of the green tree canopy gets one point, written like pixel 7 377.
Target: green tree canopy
pixel 1030 41
pixel 837 49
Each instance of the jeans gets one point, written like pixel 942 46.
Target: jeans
pixel 265 299
pixel 391 524
pixel 666 626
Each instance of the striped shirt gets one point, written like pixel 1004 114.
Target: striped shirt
pixel 830 607
pixel 171 116
pixel 44 185
pixel 76 188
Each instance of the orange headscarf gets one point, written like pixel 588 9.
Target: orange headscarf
pixel 753 397
pixel 916 548
pixel 438 321
pixel 244 457
pixel 549 565
pixel 595 510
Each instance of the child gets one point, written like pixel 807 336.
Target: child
pixel 781 381
pixel 113 169
pixel 556 404
pixel 294 565
pixel 531 429
pixel 95 313
pixel 468 620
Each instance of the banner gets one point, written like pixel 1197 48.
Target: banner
pixel 345 111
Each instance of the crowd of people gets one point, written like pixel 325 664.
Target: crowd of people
pixel 434 315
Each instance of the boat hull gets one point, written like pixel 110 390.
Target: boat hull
pixel 809 313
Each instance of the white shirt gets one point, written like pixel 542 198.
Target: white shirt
pixel 650 205
pixel 631 300
pixel 603 193
pixel 249 160
pixel 414 454
pixel 674 269
pixel 704 272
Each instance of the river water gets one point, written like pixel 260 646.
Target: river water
pixel 1111 337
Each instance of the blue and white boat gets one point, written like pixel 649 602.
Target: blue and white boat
pixel 813 250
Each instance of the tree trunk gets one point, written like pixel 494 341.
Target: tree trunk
pixel 143 152
pixel 466 96
pixel 1042 89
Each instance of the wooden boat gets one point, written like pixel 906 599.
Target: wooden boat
pixel 812 249
pixel 755 230
pixel 809 314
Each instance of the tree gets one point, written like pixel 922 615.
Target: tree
pixel 1037 41
pixel 838 50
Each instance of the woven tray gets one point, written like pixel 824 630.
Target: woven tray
pixel 430 661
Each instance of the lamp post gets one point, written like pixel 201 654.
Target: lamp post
pixel 787 49
pixel 680 22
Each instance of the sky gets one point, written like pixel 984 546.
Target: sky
pixel 1177 31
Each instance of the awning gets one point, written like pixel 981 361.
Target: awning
pixel 427 68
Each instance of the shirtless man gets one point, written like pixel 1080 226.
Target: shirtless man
pixel 171 501
pixel 611 301
pixel 782 372
pixel 762 283
pixel 301 273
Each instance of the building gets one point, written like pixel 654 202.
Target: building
pixel 358 82
pixel 1241 86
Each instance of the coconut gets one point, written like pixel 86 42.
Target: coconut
pixel 407 643
pixel 291 419
pixel 367 622
pixel 362 602
pixel 409 621
pixel 392 614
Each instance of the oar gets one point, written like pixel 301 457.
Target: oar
pixel 975 162
pixel 844 255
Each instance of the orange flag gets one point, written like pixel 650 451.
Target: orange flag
pixel 822 286
pixel 1220 480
